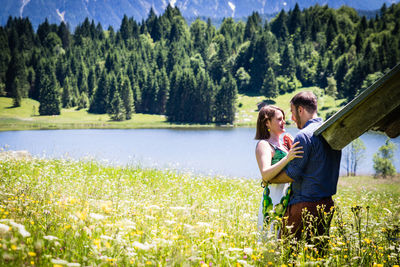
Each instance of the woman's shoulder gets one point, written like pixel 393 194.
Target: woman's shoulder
pixel 263 144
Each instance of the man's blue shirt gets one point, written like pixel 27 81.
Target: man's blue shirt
pixel 316 174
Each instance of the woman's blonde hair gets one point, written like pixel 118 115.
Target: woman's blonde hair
pixel 267 112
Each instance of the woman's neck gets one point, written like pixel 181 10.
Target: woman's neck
pixel 274 139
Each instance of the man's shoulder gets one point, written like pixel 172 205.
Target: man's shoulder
pixel 307 133
pixel 312 127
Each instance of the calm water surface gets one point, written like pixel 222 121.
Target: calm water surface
pixel 226 152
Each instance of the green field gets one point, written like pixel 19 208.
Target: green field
pixel 65 213
pixel 27 117
pixel 247 105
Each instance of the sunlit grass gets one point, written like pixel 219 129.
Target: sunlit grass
pixel 66 213
pixel 247 111
pixel 27 116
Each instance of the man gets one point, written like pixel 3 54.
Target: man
pixel 314 177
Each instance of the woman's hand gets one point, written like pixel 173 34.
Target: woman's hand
pixel 295 152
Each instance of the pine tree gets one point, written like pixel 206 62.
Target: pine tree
pixel 279 26
pixel 331 89
pixel 117 111
pixel 288 63
pixel 163 92
pixel 17 69
pixel 205 98
pixel 269 88
pixel 16 94
pixel 263 48
pixel 64 34
pixel 127 98
pixel 225 101
pixel 295 19
pixel 253 26
pixel 172 107
pixel 91 83
pixel 100 100
pixel 125 29
pixel 83 101
pixel 67 94
pixel 49 94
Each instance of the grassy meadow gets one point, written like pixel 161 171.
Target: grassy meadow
pixel 27 116
pixel 67 213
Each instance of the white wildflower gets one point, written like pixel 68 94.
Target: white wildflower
pixel 163 241
pixel 50 237
pixel 154 207
pixel 234 249
pixel 142 246
pixel 248 251
pixel 204 224
pixel 220 234
pixel 126 223
pixel 106 237
pixel 131 252
pixel 73 264
pixel 4 228
pixel 21 229
pixel 73 217
pixel 243 262
pixel 178 208
pixel 188 227
pixel 60 262
pixel 169 222
pixel 96 216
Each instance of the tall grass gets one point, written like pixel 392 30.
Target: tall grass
pixel 66 213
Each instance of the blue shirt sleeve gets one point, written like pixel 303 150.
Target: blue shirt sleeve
pixel 295 168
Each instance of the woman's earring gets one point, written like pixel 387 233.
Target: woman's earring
pixel 269 129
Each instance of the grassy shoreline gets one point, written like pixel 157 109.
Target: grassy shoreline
pixel 75 213
pixel 26 117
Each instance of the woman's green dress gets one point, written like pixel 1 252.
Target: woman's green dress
pixel 270 212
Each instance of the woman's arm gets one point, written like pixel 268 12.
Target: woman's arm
pixel 264 156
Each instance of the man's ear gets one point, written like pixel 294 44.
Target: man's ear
pixel 300 110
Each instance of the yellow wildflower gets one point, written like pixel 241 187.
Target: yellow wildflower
pixel 97 242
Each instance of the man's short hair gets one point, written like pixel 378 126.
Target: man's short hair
pixel 307 100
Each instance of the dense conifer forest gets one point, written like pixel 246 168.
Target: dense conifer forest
pixel 193 73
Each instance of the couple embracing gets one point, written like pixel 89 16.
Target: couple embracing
pixel 299 176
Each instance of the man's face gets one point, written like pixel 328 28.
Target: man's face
pixel 295 115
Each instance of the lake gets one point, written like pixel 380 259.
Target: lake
pixel 223 151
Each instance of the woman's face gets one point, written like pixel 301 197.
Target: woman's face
pixel 277 123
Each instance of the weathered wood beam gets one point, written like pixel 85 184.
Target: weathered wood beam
pixel 388 124
pixel 393 130
pixel 363 112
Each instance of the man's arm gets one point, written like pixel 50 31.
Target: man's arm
pixel 281 178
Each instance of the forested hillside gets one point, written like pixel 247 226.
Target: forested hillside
pixel 193 73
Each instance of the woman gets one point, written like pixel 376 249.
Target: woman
pixel 272 156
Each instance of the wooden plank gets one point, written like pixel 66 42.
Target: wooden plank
pixel 390 124
pixel 393 129
pixel 363 112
